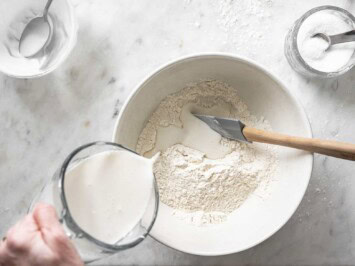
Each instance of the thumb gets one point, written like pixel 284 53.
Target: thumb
pixel 46 217
pixel 52 231
pixel 54 235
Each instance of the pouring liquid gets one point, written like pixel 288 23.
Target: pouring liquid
pixel 108 193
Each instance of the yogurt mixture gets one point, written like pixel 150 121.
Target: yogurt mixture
pixel 202 176
pixel 313 49
pixel 108 193
pixel 18 14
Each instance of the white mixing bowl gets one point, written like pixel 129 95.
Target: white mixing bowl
pixel 257 218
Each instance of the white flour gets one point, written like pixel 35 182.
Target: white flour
pixel 245 23
pixel 312 49
pixel 204 188
pixel 234 13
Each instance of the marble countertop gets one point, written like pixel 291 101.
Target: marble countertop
pixel 119 43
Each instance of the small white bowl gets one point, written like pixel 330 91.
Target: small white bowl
pixel 258 218
pixel 15 15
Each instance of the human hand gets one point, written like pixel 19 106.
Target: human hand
pixel 38 239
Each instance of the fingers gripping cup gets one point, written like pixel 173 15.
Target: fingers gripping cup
pixel 106 197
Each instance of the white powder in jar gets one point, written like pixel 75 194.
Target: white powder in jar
pixel 313 49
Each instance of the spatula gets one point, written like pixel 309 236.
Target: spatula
pixel 236 130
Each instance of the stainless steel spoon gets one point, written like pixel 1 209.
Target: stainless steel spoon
pixel 36 34
pixel 348 36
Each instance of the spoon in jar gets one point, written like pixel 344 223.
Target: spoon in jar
pixel 348 36
pixel 36 34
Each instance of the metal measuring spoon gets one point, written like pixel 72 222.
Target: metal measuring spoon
pixel 348 36
pixel 36 34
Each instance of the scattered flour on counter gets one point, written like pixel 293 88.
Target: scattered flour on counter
pixel 245 22
pixel 203 188
pixel 234 13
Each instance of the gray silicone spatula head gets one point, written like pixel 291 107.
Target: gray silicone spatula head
pixel 228 128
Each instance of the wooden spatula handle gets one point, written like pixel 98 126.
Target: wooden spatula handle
pixel 331 148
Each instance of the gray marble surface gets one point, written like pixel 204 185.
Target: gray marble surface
pixel 119 43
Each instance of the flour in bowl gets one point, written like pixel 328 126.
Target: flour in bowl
pixel 201 175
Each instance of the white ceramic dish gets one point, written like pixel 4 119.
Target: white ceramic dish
pixel 258 218
pixel 15 15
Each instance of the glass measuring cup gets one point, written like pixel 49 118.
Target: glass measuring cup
pixel 90 248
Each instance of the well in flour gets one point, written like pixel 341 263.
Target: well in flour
pixel 201 175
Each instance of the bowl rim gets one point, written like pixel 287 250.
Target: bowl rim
pixel 263 69
pixel 63 57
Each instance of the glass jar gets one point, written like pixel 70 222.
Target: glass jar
pixel 292 52
pixel 90 248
